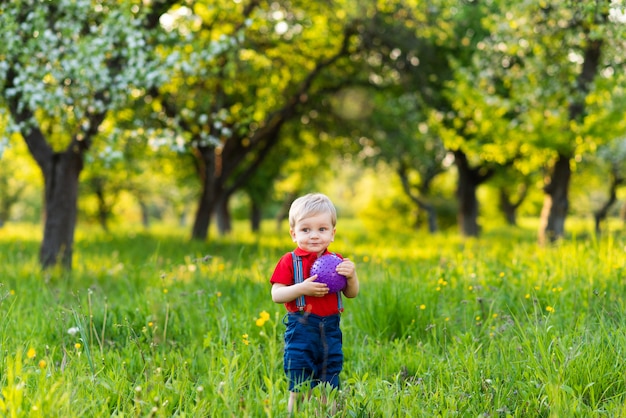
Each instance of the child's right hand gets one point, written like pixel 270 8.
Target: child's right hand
pixel 312 288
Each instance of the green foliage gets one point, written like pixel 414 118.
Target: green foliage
pixel 152 325
pixel 20 185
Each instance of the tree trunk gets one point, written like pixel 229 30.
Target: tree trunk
pixel 467 215
pixel 8 198
pixel 283 211
pixel 601 214
pixel 145 213
pixel 556 201
pixel 256 215
pixel 224 223
pixel 205 165
pixel 508 207
pixel 61 196
pixel 103 210
pixel 431 213
pixel 467 184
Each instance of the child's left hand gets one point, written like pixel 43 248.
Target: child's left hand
pixel 346 268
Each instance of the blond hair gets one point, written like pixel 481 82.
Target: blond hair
pixel 309 205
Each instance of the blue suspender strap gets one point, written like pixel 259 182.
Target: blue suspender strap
pixel 339 301
pixel 298 278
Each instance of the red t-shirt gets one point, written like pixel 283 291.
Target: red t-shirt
pixel 283 274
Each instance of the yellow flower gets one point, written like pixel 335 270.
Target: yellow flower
pixel 366 259
pixel 422 307
pixel 527 296
pixel 77 346
pixel 550 309
pixel 219 294
pixel 263 318
pixel 165 291
pixel 42 364
pixel 245 339
pixel 31 353
pixel 478 318
pixel 150 324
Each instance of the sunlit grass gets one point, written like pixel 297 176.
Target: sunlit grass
pixel 150 323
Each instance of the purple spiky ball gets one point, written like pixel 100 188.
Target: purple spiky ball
pixel 325 268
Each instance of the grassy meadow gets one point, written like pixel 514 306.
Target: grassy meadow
pixel 149 324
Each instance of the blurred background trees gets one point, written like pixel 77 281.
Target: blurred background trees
pixel 410 113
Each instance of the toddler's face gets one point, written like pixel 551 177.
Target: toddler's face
pixel 314 233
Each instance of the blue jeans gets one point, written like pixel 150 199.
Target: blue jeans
pixel 313 350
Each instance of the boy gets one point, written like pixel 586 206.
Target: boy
pixel 313 339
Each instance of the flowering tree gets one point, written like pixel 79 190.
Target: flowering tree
pixel 64 67
pixel 563 65
pixel 244 71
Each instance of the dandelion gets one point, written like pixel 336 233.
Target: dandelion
pixel 165 291
pixel 422 307
pixel 42 364
pixel 501 274
pixel 470 287
pixel 245 339
pixel 73 330
pixel 478 318
pixel 366 259
pixel 527 296
pixel 263 318
pixel 31 353
pixel 550 309
pixel 495 315
pixel 12 292
pixel 219 294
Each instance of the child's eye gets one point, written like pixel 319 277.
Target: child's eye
pixel 305 229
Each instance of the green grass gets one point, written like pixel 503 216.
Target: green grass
pixel 152 324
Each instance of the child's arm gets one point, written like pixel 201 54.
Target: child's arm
pixel 282 293
pixel 348 268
